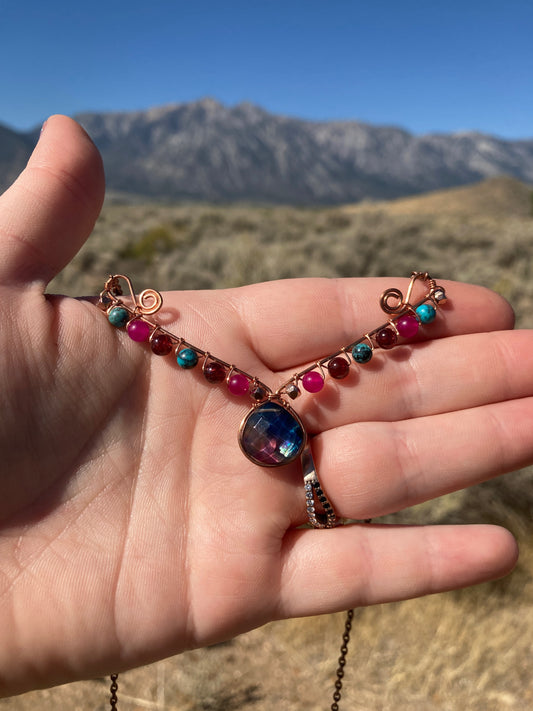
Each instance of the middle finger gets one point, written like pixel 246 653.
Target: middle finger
pixel 424 379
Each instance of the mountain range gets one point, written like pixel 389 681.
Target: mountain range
pixel 204 150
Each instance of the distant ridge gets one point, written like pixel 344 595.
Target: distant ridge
pixel 495 197
pixel 205 150
pixel 15 149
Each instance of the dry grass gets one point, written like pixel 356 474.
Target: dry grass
pixel 495 197
pixel 470 649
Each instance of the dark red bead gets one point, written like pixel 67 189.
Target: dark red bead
pixel 386 338
pixel 338 367
pixel 161 344
pixel 214 372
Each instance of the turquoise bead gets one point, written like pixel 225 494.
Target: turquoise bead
pixel 187 358
pixel 361 353
pixel 426 313
pixel 118 316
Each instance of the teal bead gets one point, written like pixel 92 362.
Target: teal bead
pixel 361 353
pixel 118 316
pixel 426 313
pixel 187 358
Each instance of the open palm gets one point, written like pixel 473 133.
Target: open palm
pixel 131 526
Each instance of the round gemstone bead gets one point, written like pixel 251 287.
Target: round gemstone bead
pixel 138 330
pixel 238 384
pixel 407 326
pixel 362 353
pixel 338 367
pixel 313 382
pixel 161 344
pixel 426 313
pixel 386 338
pixel 118 316
pixel 214 372
pixel 187 358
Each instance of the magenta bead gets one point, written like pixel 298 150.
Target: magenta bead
pixel 313 382
pixel 238 384
pixel 407 326
pixel 138 330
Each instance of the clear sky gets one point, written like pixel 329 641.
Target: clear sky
pixel 425 65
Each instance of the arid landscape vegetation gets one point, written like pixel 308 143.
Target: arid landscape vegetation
pixel 470 650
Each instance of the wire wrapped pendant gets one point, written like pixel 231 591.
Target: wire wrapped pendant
pixel 271 433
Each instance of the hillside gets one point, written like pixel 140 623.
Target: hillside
pixel 499 197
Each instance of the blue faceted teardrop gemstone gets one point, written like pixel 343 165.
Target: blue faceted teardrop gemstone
pixel 272 435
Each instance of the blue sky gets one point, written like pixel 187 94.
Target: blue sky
pixel 424 65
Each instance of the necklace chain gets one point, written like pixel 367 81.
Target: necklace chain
pixel 113 700
pixel 342 660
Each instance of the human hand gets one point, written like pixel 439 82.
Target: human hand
pixel 131 525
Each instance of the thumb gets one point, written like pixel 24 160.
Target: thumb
pixel 50 210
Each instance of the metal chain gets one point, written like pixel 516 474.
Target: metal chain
pixel 113 700
pixel 342 661
pixel 113 689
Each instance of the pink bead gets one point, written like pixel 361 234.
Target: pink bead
pixel 313 382
pixel 407 326
pixel 138 330
pixel 238 384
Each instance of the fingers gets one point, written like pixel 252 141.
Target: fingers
pixel 50 210
pixel 327 571
pixel 471 420
pixel 303 320
pixel 370 469
pixel 445 375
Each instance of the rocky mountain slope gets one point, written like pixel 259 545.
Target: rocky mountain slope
pixel 207 151
pixel 15 149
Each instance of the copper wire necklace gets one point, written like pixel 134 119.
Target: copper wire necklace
pixel 271 433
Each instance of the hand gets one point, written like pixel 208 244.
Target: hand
pixel 131 525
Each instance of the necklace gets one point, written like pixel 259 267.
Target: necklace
pixel 271 433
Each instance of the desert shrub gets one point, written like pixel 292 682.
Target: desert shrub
pixel 154 241
pixel 243 224
pixel 212 219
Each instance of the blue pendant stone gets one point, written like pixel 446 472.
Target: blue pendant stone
pixel 271 435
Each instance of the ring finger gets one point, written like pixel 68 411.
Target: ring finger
pixel 373 468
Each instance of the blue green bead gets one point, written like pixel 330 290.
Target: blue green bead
pixel 361 353
pixel 426 313
pixel 118 316
pixel 187 358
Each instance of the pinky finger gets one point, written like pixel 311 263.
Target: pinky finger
pixel 358 565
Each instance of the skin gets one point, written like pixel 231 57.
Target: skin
pixel 131 525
